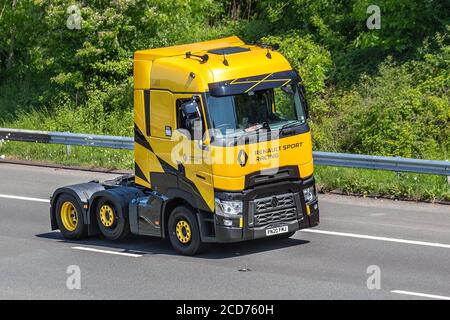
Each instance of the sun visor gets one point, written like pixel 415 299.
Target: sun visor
pixel 253 83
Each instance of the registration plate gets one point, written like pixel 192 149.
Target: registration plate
pixel 277 230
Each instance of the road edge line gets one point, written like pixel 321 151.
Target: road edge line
pixel 418 294
pixel 387 239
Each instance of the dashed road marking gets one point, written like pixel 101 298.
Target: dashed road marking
pixel 133 255
pixel 8 196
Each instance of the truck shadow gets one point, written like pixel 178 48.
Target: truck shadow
pixel 148 246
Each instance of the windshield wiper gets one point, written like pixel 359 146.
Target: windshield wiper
pixel 289 125
pixel 256 128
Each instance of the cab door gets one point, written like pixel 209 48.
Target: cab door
pixel 192 151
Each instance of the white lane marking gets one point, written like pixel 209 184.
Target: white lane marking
pixel 418 294
pixel 134 255
pixel 8 196
pixel 377 214
pixel 363 236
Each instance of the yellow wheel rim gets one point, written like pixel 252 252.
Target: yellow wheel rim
pixel 69 216
pixel 183 231
pixel 107 215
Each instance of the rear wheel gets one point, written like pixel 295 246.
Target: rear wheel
pixel 184 233
pixel 69 217
pixel 111 221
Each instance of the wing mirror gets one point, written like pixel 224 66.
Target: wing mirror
pixel 192 118
pixel 191 113
pixel 190 108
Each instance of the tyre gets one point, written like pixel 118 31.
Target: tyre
pixel 111 220
pixel 69 217
pixel 184 233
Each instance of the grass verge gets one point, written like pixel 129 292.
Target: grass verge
pixel 376 183
pixel 79 156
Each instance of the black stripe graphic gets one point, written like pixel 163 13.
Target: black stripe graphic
pixel 167 167
pixel 147 111
pixel 138 172
pixel 140 139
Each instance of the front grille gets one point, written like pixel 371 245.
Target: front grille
pixel 277 202
pixel 265 218
pixel 278 208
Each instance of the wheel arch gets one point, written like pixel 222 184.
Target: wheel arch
pixel 119 197
pixel 81 192
pixel 169 206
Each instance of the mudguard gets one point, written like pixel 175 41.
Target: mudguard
pixel 120 196
pixel 82 192
pixel 145 215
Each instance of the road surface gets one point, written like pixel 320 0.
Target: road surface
pixel 407 244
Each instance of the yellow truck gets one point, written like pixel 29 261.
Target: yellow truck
pixel 222 152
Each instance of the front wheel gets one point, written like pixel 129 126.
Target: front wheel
pixel 184 233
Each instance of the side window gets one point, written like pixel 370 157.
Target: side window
pixel 189 117
pixel 285 106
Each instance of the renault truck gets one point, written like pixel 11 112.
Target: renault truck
pixel 222 152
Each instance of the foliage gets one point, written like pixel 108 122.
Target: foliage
pixel 403 111
pixel 382 91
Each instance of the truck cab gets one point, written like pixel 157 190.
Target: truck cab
pixel 222 152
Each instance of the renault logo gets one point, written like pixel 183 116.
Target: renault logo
pixel 242 158
pixel 274 202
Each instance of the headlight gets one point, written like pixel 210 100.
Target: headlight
pixel 309 194
pixel 228 208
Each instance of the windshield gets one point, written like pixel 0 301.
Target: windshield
pixel 270 109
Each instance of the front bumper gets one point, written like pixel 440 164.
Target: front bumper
pixel 307 214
